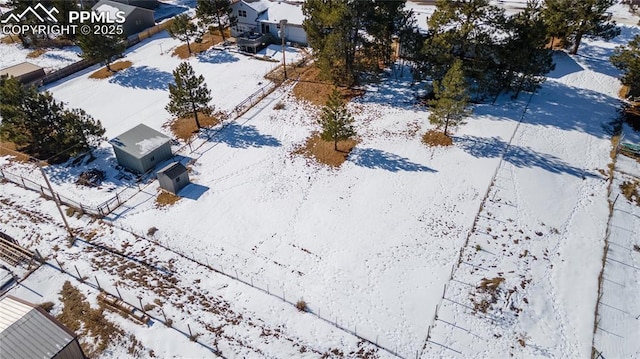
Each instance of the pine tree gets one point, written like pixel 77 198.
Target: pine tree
pixel 451 102
pixel 347 36
pixel 101 48
pixel 42 126
pixel 627 59
pixel 219 11
pixel 189 95
pixel 336 120
pixel 183 29
pixel 571 20
pixel 527 57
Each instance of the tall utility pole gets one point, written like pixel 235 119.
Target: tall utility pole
pixel 55 199
pixel 283 34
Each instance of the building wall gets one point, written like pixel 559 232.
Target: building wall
pixel 156 156
pixel 137 21
pixel 128 161
pixel 71 351
pixel 173 185
pixel 294 33
pixel 245 23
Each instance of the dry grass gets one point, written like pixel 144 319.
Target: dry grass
pixel 9 149
pixel 183 128
pixel 166 199
pixel 103 73
pixel 624 91
pixel 208 40
pixel 630 191
pixel 88 322
pixel 314 89
pixel 301 305
pixel 36 53
pixel 436 138
pixel 9 40
pixel 323 152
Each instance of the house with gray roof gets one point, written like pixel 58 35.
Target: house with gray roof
pixel 141 148
pixel 28 331
pixel 137 18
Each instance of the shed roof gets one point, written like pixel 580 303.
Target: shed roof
pixel 112 7
pixel 27 331
pixel 139 141
pixel 173 170
pixel 283 11
pixel 20 69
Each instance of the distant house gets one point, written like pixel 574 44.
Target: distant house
pixel 247 12
pixel 292 13
pixel 141 148
pixel 136 18
pixel 24 72
pixel 173 177
pixel 259 23
pixel 28 331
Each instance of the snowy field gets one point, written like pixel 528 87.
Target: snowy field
pixel 522 196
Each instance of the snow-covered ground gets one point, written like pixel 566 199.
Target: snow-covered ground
pixel 520 198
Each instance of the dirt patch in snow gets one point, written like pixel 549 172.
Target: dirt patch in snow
pixel 436 138
pixel 9 149
pixel 205 44
pixel 323 151
pixel 185 127
pixel 166 199
pixel 103 73
pixel 311 87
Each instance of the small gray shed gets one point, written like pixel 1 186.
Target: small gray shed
pixel 136 18
pixel 24 72
pixel 27 331
pixel 173 177
pixel 141 148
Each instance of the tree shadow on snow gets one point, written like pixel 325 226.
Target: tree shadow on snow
pixel 239 136
pixel 516 155
pixel 217 57
pixel 143 77
pixel 570 108
pixel 395 89
pixel 373 158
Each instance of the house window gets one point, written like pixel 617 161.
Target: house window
pixel 177 179
pixel 152 158
pixel 242 13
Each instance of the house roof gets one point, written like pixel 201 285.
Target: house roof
pixel 112 7
pixel 139 141
pixel 283 11
pixel 257 5
pixel 173 170
pixel 27 331
pixel 20 69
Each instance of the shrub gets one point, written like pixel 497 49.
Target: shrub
pixel 47 306
pixel 301 305
pixel 152 231
pixel 279 106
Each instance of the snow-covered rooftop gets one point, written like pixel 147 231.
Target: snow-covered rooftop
pixel 283 11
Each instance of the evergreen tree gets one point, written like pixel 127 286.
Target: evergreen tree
pixel 627 59
pixel 468 30
pixel 18 7
pixel 348 36
pixel 101 48
pixel 525 52
pixel 183 29
pixel 451 102
pixel 336 120
pixel 64 7
pixel 571 20
pixel 218 11
pixel 189 95
pixel 42 126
